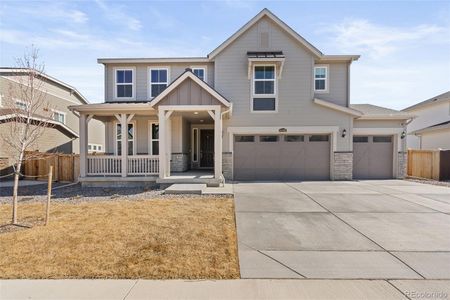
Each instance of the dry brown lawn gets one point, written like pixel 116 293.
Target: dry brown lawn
pixel 162 238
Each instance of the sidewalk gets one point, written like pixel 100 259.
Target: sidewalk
pixel 223 289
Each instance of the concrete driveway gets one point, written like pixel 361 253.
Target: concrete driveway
pixel 387 229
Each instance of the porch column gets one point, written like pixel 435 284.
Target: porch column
pixel 217 144
pixel 162 143
pixel 168 142
pixel 124 139
pixel 83 145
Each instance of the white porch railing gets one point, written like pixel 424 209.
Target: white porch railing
pixel 143 165
pixel 104 165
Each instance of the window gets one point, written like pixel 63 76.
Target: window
pixel 195 145
pixel 321 79
pixel 21 104
pixel 268 138
pixel 360 139
pixel 119 138
pixel 89 147
pixel 154 139
pixel 318 138
pixel 244 138
pixel 99 148
pixel 59 116
pixel 382 139
pixel 294 138
pixel 264 88
pixel 124 83
pixel 159 79
pixel 94 147
pixel 200 73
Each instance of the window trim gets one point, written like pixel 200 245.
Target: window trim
pixel 151 139
pixel 327 76
pixel 204 68
pixel 61 113
pixel 275 89
pixel 134 136
pixel 133 83
pixel 149 79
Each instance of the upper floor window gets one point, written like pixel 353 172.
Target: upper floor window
pixel 124 83
pixel 200 73
pixel 264 88
pixel 321 78
pixel 20 104
pixel 159 80
pixel 59 116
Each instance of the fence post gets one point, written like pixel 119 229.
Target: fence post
pixel 49 194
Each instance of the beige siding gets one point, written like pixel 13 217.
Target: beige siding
pixel 337 84
pixel 378 124
pixel 295 89
pixel 142 77
pixel 436 139
pixel 189 93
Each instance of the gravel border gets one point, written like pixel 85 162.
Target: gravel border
pixel 428 181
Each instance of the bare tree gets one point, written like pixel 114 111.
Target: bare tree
pixel 28 112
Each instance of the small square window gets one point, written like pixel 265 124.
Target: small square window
pixel 318 138
pixel 294 138
pixel 200 73
pixel 360 139
pixel 268 138
pixel 244 138
pixel 382 139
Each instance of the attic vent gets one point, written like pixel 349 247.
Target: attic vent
pixel 264 40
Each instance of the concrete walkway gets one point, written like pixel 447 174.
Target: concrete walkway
pixel 389 229
pixel 223 289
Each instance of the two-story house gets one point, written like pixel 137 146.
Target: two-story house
pixel 62 134
pixel 430 129
pixel 264 105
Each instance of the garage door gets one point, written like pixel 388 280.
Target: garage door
pixel 372 157
pixel 281 157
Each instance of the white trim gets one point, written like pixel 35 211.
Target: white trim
pixel 150 137
pixel 205 70
pixel 276 20
pixel 327 70
pixel 197 80
pixel 189 107
pixel 275 89
pixel 112 107
pixel 339 58
pixel 336 107
pixel 126 131
pixel 61 113
pixel 387 117
pixel 133 83
pixel 149 79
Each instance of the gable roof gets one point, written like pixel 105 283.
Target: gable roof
pixel 436 99
pixel 266 13
pixel 48 77
pixel 343 109
pixel 373 112
pixel 443 125
pixel 184 76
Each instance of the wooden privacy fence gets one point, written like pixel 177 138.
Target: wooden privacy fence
pixel 431 164
pixel 66 167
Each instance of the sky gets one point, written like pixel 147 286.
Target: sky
pixel 404 45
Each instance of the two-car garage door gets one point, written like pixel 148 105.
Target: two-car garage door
pixel 281 157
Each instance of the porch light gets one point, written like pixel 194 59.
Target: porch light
pixel 403 135
pixel 344 133
pixel 195 112
pixel 201 121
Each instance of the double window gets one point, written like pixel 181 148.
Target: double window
pixel 264 88
pixel 119 135
pixel 200 72
pixel 321 79
pixel 124 79
pixel 154 139
pixel 59 116
pixel 159 80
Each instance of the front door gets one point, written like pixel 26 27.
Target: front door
pixel 206 148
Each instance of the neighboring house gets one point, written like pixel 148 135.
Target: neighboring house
pixel 63 135
pixel 430 128
pixel 264 105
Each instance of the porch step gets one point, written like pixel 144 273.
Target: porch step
pixel 198 189
pixel 182 188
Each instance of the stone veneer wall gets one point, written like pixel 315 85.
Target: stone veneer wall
pixel 179 162
pixel 343 166
pixel 227 165
pixel 402 164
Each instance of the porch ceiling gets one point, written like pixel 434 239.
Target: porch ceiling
pixel 199 117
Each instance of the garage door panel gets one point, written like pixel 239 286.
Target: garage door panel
pixel 373 159
pixel 317 165
pixel 246 160
pixel 360 160
pixel 292 160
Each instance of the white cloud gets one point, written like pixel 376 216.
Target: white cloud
pixel 378 40
pixel 117 13
pixel 56 12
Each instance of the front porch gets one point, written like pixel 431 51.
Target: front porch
pixel 163 141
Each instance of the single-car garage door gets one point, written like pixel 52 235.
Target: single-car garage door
pixel 372 157
pixel 281 157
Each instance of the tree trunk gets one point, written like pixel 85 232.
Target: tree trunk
pixel 15 192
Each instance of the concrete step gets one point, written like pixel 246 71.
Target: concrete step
pixel 186 188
